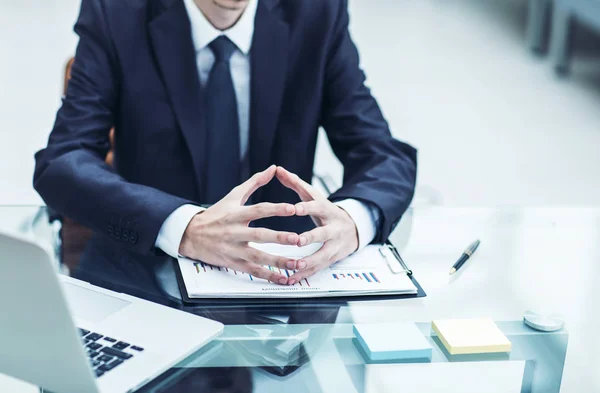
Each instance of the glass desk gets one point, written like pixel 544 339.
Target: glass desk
pixel 541 259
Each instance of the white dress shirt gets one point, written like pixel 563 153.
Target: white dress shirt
pixel 203 33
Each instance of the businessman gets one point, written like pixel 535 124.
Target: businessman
pixel 217 103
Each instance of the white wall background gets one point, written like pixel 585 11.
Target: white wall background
pixel 36 37
pixel 493 124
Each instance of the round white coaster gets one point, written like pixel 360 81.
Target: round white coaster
pixel 543 323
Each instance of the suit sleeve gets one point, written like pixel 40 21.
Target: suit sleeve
pixel 70 173
pixel 378 169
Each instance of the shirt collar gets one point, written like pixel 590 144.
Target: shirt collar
pixel 203 33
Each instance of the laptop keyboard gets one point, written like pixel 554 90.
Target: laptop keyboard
pixel 106 353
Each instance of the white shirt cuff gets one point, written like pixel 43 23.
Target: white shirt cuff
pixel 172 230
pixel 365 218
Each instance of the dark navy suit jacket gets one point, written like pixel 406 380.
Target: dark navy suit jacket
pixel 135 68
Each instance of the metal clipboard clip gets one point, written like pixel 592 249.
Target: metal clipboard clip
pixel 394 260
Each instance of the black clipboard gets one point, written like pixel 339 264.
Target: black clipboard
pixel 303 301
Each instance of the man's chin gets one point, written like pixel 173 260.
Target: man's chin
pixel 232 5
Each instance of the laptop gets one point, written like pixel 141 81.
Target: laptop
pixel 68 336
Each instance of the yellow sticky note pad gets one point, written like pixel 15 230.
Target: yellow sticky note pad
pixel 471 336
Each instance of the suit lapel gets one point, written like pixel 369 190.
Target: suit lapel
pixel 171 41
pixel 268 67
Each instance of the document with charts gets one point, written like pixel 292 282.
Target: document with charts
pixel 367 272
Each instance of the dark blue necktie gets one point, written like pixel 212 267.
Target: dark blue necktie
pixel 223 144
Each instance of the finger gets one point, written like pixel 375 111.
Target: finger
pixel 323 256
pixel 265 209
pixel 317 235
pixel 313 263
pixel 263 235
pixel 258 257
pixel 258 271
pixel 292 181
pixel 312 208
pixel 247 188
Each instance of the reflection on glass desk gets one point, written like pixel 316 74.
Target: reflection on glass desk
pixel 541 259
pixel 327 357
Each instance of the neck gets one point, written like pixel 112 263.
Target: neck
pixel 219 13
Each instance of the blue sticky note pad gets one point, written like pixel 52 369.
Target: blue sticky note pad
pixel 392 341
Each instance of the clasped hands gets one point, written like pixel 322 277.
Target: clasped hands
pixel 220 235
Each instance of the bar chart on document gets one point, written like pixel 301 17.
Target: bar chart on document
pixel 367 276
pixel 202 267
pixel 360 273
